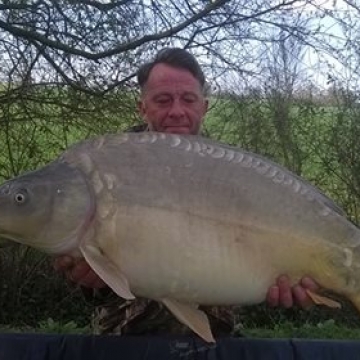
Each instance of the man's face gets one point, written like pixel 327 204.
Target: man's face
pixel 172 101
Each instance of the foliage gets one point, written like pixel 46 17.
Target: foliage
pixel 35 132
pixel 32 292
pixel 56 327
pixel 48 326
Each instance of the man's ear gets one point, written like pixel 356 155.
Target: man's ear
pixel 142 109
pixel 206 108
pixel 206 105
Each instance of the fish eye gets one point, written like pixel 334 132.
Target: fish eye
pixel 21 197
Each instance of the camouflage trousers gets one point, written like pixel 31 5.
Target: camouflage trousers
pixel 143 316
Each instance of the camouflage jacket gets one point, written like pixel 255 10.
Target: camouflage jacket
pixel 142 316
pixel 145 317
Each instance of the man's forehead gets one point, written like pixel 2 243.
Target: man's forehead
pixel 173 91
pixel 165 75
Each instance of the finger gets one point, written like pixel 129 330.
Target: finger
pixel 308 283
pixel 285 293
pixel 302 298
pixel 84 275
pixel 272 297
pixel 63 263
pixel 80 271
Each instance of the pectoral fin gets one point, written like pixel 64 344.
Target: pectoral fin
pixel 192 317
pixel 323 300
pixel 107 271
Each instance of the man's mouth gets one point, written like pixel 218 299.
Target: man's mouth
pixel 177 129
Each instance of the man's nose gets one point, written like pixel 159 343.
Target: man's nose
pixel 177 109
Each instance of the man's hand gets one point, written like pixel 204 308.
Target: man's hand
pixel 79 272
pixel 283 295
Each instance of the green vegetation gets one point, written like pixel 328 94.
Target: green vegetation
pixel 325 330
pixel 48 326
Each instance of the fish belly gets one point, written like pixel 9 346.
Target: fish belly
pixel 191 259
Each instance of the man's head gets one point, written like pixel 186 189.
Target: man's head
pixel 173 92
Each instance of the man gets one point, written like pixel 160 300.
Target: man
pixel 172 100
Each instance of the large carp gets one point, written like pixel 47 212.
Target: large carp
pixel 183 220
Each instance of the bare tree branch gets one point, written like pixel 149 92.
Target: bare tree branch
pixel 33 36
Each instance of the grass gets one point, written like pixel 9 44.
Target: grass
pixel 284 330
pixel 48 326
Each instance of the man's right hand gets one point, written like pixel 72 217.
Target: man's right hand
pixel 78 271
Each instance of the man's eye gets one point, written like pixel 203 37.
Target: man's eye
pixel 162 100
pixel 189 99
